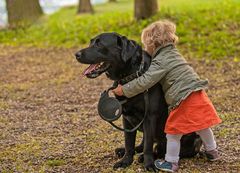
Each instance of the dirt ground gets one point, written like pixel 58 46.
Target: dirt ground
pixel 49 122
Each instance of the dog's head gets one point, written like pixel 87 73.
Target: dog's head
pixel 107 52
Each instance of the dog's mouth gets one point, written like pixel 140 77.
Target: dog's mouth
pixel 95 70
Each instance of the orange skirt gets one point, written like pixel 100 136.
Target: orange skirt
pixel 194 113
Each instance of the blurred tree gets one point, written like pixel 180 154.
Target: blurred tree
pixel 112 0
pixel 145 8
pixel 85 6
pixel 22 12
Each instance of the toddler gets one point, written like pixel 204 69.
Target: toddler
pixel 190 109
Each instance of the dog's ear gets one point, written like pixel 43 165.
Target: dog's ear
pixel 128 47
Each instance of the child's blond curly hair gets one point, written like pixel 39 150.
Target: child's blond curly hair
pixel 158 34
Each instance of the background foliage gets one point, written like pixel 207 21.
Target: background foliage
pixel 206 28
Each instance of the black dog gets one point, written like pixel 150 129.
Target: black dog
pixel 118 57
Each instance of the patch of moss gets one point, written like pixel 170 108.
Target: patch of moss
pixel 55 162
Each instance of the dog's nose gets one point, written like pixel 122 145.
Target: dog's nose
pixel 78 54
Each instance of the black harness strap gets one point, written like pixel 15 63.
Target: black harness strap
pixel 146 99
pixel 132 76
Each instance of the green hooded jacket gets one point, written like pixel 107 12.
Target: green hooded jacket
pixel 171 70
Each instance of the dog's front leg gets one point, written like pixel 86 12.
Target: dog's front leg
pixel 138 149
pixel 129 147
pixel 149 125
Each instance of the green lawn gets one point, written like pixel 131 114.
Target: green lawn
pixel 207 29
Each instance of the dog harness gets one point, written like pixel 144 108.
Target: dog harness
pixel 110 108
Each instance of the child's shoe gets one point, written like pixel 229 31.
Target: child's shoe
pixel 212 155
pixel 166 166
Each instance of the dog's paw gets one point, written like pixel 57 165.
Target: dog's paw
pixel 120 152
pixel 151 167
pixel 149 163
pixel 125 162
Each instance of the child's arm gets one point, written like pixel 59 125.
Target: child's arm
pixel 153 75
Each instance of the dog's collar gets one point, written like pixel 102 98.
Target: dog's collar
pixel 134 75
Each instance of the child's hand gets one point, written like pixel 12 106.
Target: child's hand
pixel 118 91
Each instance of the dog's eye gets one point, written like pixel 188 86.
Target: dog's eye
pixel 99 44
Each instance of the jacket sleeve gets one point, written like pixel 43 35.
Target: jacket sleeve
pixel 152 76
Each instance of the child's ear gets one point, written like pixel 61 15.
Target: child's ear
pixel 128 47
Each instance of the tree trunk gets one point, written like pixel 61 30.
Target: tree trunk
pixel 112 0
pixel 22 12
pixel 145 8
pixel 85 6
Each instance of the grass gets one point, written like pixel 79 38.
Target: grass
pixel 53 163
pixel 207 29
